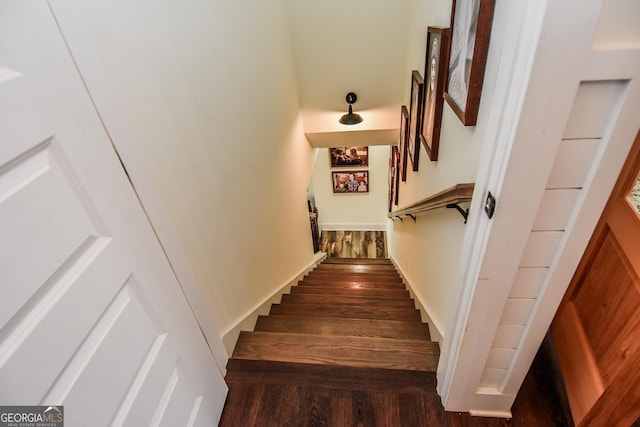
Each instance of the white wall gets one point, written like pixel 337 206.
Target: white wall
pixel 211 135
pixel 342 46
pixel 352 211
pixel 428 252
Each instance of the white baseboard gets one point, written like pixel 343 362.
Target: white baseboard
pixel 434 329
pixel 248 321
pixel 352 227
pixel 492 414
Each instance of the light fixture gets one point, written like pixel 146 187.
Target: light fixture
pixel 350 118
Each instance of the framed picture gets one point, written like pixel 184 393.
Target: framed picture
pixel 415 116
pixel 435 70
pixel 348 156
pixel 470 32
pixel 394 175
pixel 402 142
pixel 350 181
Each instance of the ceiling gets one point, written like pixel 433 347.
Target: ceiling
pixel 350 45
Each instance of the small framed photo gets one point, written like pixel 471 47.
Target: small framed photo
pixel 415 117
pixel 471 22
pixel 348 156
pixel 394 175
pixel 435 69
pixel 350 181
pixel 402 142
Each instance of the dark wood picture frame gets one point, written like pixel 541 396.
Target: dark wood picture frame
pixel 435 71
pixel 348 157
pixel 471 22
pixel 415 117
pixel 340 181
pixel 394 176
pixel 402 142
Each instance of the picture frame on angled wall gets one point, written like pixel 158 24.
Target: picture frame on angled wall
pixel 435 70
pixel 471 22
pixel 402 142
pixel 415 117
pixel 394 176
pixel 348 156
pixel 353 181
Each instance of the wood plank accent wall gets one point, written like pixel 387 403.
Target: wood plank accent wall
pixel 595 105
pixel 354 244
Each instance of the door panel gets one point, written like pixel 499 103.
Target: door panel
pixel 597 328
pixel 91 316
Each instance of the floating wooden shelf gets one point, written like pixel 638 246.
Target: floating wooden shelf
pixel 449 198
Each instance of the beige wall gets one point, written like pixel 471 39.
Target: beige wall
pixel 216 149
pixel 354 211
pixel 428 251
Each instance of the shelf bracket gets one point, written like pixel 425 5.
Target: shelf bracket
pixel 464 213
pixel 400 218
pixel 412 216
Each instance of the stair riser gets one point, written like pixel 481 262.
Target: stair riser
pixel 332 377
pixel 351 261
pixel 343 351
pixel 343 327
pixel 370 292
pixel 347 300
pixel 364 275
pixel 354 284
pixel 357 268
pixel 346 312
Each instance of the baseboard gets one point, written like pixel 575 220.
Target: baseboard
pixel 434 328
pixel 492 414
pixel 248 321
pixel 352 227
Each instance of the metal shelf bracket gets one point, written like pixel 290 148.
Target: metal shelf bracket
pixel 463 212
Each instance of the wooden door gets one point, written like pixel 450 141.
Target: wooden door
pixel 596 330
pixel 91 315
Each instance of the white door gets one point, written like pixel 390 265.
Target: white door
pixel 91 316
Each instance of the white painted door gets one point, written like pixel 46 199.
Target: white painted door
pixel 91 316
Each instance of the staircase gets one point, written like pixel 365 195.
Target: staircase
pixel 350 313
pixel 347 348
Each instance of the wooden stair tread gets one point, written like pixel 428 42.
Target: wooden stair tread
pixel 347 311
pixel 417 355
pixel 330 376
pixel 345 299
pixel 390 275
pixel 346 327
pixel 366 292
pixel 352 284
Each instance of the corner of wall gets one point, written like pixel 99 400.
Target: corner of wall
pixel 435 329
pixel 248 320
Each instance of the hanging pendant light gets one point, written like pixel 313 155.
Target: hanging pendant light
pixel 350 118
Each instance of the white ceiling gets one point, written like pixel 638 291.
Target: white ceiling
pixel 350 45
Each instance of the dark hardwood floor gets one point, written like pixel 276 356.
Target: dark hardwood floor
pixel 347 348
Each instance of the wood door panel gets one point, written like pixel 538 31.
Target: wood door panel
pixel 606 305
pixel 597 327
pixel 581 375
pixel 619 404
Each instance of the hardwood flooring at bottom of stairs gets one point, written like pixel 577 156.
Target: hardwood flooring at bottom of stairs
pixel 263 393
